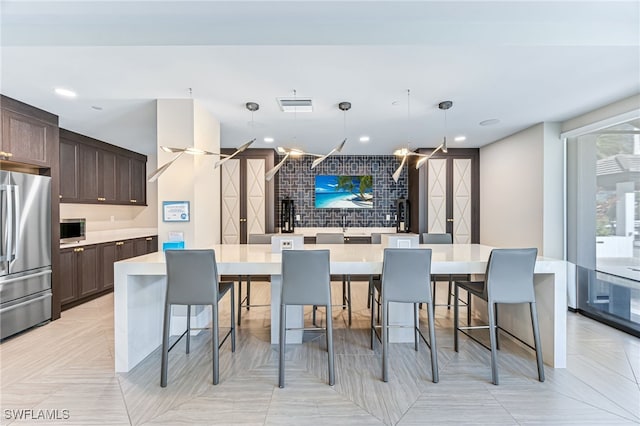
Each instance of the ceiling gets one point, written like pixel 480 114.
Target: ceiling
pixel 519 62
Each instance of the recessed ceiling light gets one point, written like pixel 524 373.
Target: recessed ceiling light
pixel 268 140
pixel 489 122
pixel 364 139
pixel 65 92
pixel 460 138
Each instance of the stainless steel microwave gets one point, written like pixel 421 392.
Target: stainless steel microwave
pixel 72 230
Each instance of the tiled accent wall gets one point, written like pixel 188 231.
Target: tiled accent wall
pixel 297 181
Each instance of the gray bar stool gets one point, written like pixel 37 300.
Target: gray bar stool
pixel 246 302
pixel 406 274
pixel 305 281
pixel 509 279
pixel 337 238
pixel 192 279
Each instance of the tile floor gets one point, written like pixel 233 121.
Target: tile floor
pixel 68 365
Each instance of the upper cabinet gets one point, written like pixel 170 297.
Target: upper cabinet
pixel 95 172
pixel 28 134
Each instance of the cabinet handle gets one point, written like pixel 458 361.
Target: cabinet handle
pixel 120 243
pixel 149 238
pixel 78 250
pixel 5 154
pixel 449 220
pixel 59 196
pixel 134 201
pixel 101 199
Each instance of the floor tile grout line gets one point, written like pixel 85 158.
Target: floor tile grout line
pixel 633 371
pixel 126 406
pixel 599 393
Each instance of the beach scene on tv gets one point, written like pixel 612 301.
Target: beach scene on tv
pixel 344 192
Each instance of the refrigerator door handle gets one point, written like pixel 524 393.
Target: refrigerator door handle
pixel 16 222
pixel 7 224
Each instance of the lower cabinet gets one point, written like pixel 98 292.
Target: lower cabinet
pixel 87 272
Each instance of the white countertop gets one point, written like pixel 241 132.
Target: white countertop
pixel 97 237
pixel 257 259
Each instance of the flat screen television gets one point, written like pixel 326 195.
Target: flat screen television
pixel 344 192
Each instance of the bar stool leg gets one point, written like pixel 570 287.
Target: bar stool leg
pixel 416 325
pixel 239 299
pixel 216 345
pixel 495 314
pixel 448 295
pixel 165 346
pixel 233 327
pixel 455 317
pixel 492 337
pixel 349 296
pixel 282 338
pixel 385 341
pixel 329 334
pixel 248 292
pixel 188 328
pixel 432 343
pixel 536 340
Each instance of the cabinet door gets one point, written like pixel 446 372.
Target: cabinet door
pixel 462 201
pixel 88 276
pixel 107 176
pixel 27 140
pixel 152 244
pixel 68 288
pixel 69 171
pixel 88 172
pixel 122 179
pixel 138 182
pixel 437 196
pixel 107 257
pixel 139 246
pixel 125 249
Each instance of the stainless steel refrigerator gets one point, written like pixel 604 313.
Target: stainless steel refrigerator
pixel 25 251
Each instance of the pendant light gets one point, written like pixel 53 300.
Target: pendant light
pixel 294 152
pixel 405 152
pixel 196 151
pixel 344 107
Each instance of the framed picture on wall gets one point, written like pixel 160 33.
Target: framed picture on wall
pixel 175 211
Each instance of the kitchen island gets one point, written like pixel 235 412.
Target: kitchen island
pixel 140 290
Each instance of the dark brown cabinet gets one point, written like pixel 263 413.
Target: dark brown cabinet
pixel 26 139
pixel 95 172
pixel 87 271
pixel 145 245
pixel 107 253
pixel 79 272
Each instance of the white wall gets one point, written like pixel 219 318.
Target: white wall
pixel 511 190
pixel 184 123
pixel 522 191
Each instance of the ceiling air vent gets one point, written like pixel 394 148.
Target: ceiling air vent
pixel 295 105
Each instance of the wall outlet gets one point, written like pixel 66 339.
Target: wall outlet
pixel 388 217
pixel 298 217
pixel 286 244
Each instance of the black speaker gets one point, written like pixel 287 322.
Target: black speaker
pixel 287 215
pixel 403 214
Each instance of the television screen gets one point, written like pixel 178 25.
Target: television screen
pixel 344 192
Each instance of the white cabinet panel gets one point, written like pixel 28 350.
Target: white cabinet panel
pixel 462 201
pixel 437 199
pixel 256 196
pixel 230 178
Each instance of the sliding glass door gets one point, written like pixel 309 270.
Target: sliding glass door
pixel 603 220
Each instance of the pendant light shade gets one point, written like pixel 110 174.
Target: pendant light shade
pixel 251 106
pixel 405 152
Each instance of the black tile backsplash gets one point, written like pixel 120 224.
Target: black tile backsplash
pixel 296 180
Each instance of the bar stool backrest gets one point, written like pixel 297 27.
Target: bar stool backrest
pixel 428 238
pixel 305 277
pixel 509 277
pixel 192 277
pixel 260 238
pixel 406 274
pixel 330 238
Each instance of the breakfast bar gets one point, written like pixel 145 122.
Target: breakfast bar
pixel 140 291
